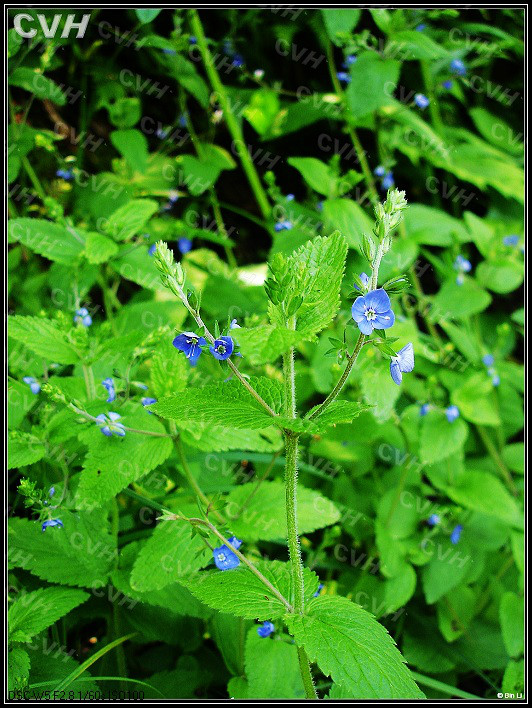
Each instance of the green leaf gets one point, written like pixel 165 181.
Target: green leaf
pixel 170 553
pixel 198 175
pixel 373 82
pixel 136 265
pixel 272 669
pixel 129 219
pixel 476 401
pixel 24 450
pixel 55 242
pixel 262 110
pixel 457 302
pixel 416 45
pixel 147 16
pixel 240 592
pixel 133 146
pixel 439 438
pixel 35 611
pixel 503 276
pixel 446 569
pixel 99 248
pixel 44 338
pixel 265 343
pixel 512 618
pixel 349 218
pixel 496 131
pixel 79 554
pixel 40 86
pixel 318 175
pixel 339 23
pixel 264 518
pixel 18 668
pixel 352 648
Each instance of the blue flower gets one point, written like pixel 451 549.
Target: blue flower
pixel 496 380
pixel 458 67
pixel 420 27
pixel 388 181
pixel 343 76
pixel 51 491
pixel 433 520
pixel 448 84
pixel 365 280
pixel 184 244
pixel 109 426
pixel 319 206
pixel 290 197
pixel 235 542
pixel 51 522
pixel 224 558
pixel 285 225
pixel 34 385
pixel 421 100
pixel 65 174
pixel 151 249
pixel 452 413
pixel 266 629
pixel 462 264
pixel 147 401
pixel 166 50
pixel 511 240
pixel 349 60
pixel 318 591
pixel 222 348
pixel 403 363
pixel 81 316
pixel 379 171
pixel 456 533
pixel 182 120
pixel 425 408
pixel 109 385
pixel 372 311
pixel 191 344
pixel 488 359
pixel 192 39
pixel 234 324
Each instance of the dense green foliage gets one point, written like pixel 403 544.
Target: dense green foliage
pixel 171 172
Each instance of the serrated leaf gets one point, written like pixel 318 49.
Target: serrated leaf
pixel 264 517
pixel 18 668
pixel 352 648
pixel 44 338
pixel 477 490
pixel 99 248
pixel 40 86
pixel 129 219
pixel 35 611
pixel 239 592
pixel 57 243
pixel 264 344
pixel 272 669
pixel 24 450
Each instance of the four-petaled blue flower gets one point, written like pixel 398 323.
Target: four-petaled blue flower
pixel 109 426
pixel 425 408
pixel 388 181
pixel 222 348
pixel 458 67
pixel 456 533
pixel 372 311
pixel 51 523
pixel 318 591
pixel 452 413
pixel 421 100
pixel 184 244
pixel 448 84
pixel 403 363
pixel 379 171
pixel 290 197
pixel 365 280
pixel 265 629
pixel 343 76
pixel 190 344
pixel 285 225
pixel 34 385
pixel 488 360
pixel 81 316
pixel 109 385
pixel 224 558
pixel 67 175
pixel 511 240
pixel 433 520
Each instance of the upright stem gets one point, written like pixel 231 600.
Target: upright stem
pixel 497 459
pixel 232 123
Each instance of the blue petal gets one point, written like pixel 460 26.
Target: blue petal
pixel 358 308
pixel 384 320
pixel 365 326
pixel 395 371
pixel 406 358
pixel 106 431
pixel 378 300
pixel 114 416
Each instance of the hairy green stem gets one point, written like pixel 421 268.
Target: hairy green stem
pixel 232 123
pixel 192 480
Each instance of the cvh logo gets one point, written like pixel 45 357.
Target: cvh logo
pixel 49 31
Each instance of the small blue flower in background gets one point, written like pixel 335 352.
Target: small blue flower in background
pixel 192 39
pixel 433 520
pixel 222 348
pixel 67 175
pixel 184 245
pixel 343 76
pixel 290 197
pixel 462 265
pixel 403 363
pixel 285 225
pixel 420 27
pixel 238 60
pixel 224 558
pixel 379 171
pixel 456 533
pixel 511 240
pixel 266 629
pixel 182 120
pixel 34 385
pixel 190 344
pixel 318 591
pixel 388 181
pixel 488 360
pixel 110 425
pixel 235 542
pixel 151 249
pixel 51 491
pixel 147 401
pixel 448 84
pixel 425 408
pixel 458 67
pixel 421 100
pixel 349 61
pixel 372 311
pixel 166 50
pixel 81 316
pixel 109 385
pixel 496 379
pixel 365 280
pixel 52 522
pixel 452 413
pixel 319 206
pixel 234 324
